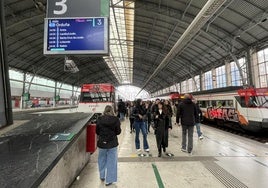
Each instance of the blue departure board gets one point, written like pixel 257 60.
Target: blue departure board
pixel 76 36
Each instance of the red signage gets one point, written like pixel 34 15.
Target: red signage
pixel 97 88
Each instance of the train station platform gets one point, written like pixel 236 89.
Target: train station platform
pixel 34 152
pixel 42 109
pixel 221 159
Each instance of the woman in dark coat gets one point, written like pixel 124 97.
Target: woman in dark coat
pixel 161 129
pixel 131 117
pixel 107 129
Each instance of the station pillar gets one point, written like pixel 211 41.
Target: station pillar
pixel 5 93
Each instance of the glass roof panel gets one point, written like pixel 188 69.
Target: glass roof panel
pixel 120 60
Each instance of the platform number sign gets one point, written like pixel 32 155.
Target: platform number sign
pixel 76 27
pixel 77 8
pixel 62 7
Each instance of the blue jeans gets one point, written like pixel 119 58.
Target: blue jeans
pixel 140 125
pixel 122 116
pixel 107 161
pixel 146 126
pixel 198 130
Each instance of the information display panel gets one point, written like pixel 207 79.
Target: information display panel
pixel 76 36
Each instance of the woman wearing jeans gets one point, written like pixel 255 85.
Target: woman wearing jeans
pixel 139 113
pixel 198 120
pixel 107 129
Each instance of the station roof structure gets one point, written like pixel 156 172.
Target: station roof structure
pixel 148 50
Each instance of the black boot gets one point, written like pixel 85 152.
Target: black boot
pixel 159 152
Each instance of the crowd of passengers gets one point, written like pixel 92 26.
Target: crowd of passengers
pixel 143 116
pixel 155 115
pixel 150 107
pixel 126 109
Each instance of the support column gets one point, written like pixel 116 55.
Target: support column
pixel 72 98
pixel 55 94
pixel 249 66
pixel 6 116
pixel 202 81
pixel 214 78
pixel 22 102
pixel 255 70
pixel 228 73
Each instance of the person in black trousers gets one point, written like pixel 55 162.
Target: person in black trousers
pixel 131 117
pixel 161 128
pixel 186 115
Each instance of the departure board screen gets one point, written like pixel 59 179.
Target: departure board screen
pixel 76 36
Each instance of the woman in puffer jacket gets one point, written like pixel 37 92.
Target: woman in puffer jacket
pixel 107 129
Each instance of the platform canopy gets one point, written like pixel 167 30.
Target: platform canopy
pixel 142 36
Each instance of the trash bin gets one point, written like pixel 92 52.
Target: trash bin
pixel 91 145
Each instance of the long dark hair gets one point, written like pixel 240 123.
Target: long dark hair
pixel 164 108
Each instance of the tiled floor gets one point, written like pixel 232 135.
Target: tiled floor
pixel 221 159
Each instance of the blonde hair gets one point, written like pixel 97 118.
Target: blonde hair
pixel 109 111
pixel 187 96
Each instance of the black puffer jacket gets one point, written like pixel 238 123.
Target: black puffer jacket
pixel 121 107
pixel 108 127
pixel 139 110
pixel 187 112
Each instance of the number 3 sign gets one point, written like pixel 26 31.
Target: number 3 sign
pixel 63 7
pixel 74 8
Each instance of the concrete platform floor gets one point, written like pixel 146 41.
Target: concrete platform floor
pixel 221 159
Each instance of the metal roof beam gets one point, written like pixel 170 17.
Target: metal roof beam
pixel 203 16
pixel 167 16
pixel 187 7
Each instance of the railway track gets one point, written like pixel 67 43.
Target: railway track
pixel 260 137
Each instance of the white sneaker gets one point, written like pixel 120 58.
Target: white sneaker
pixel 183 150
pixel 147 150
pixel 138 150
pixel 201 137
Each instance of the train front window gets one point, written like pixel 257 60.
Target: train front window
pixel 252 102
pixel 96 97
pixel 262 101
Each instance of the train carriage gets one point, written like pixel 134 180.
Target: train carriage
pixel 94 97
pixel 247 108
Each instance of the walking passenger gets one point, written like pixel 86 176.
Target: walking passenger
pixel 107 129
pixel 121 110
pixel 155 109
pixel 186 115
pixel 169 113
pixel 161 128
pixel 139 124
pixel 149 114
pixel 198 120
pixel 131 117
pixel 155 106
pixel 146 116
